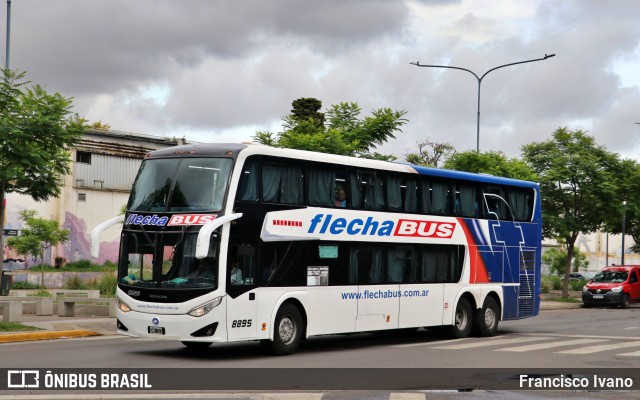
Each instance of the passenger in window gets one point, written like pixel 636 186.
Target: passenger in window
pixel 235 272
pixel 341 198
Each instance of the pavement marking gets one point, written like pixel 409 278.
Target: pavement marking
pixel 542 346
pixel 407 396
pixel 490 342
pixel 429 343
pixel 596 349
pixel 632 354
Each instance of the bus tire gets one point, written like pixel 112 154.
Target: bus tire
pixel 196 345
pixel 462 320
pixel 287 333
pixel 487 318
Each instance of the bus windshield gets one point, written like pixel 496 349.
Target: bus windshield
pixel 181 184
pixel 167 263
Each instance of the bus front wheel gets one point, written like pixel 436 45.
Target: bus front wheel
pixel 462 320
pixel 287 333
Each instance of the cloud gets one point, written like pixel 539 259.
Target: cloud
pixel 217 70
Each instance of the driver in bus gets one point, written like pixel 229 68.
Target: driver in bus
pixel 201 271
pixel 234 271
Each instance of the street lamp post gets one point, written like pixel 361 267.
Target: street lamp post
pixel 479 79
pixel 624 220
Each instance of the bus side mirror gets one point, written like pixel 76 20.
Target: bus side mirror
pixel 97 231
pixel 204 236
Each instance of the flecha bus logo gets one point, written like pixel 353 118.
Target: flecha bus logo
pixel 190 219
pixel 421 228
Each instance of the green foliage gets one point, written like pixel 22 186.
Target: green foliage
pixel 578 185
pixel 42 293
pixel 108 284
pixel 493 163
pixel 31 118
pixel 556 259
pixel 38 234
pixel 74 283
pixel 83 266
pixel 23 285
pixel 577 285
pixel 430 154
pixel 16 327
pixel 340 130
pixel 546 284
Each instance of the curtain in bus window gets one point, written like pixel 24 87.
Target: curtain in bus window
pixel 401 264
pixel 519 202
pixel 281 184
pixel 353 266
pixel 354 188
pixel 322 187
pixel 373 192
pixel 365 265
pixel 434 266
pixel 375 274
pixel 433 196
pixel 466 201
pixel 394 193
pixel 410 196
pixel 248 187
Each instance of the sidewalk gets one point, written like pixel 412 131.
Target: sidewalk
pixel 55 327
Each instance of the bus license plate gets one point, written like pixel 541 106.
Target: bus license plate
pixel 156 330
pixel 598 296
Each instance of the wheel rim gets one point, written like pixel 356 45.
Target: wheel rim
pixel 461 319
pixel 287 330
pixel 489 317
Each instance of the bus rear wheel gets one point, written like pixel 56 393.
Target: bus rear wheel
pixel 487 318
pixel 462 321
pixel 287 333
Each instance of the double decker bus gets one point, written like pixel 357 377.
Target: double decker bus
pixel 232 242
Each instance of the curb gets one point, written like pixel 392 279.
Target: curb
pixel 24 337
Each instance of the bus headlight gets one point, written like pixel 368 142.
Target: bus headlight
pixel 124 307
pixel 616 289
pixel 205 308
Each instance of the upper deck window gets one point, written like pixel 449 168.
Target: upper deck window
pixel 189 184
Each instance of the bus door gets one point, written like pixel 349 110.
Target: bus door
pixel 378 290
pixel 242 303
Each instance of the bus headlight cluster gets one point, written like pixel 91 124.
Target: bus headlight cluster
pixel 124 307
pixel 205 308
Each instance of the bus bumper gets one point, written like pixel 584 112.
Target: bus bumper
pixel 180 327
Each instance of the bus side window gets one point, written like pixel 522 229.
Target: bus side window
pixel 248 186
pixel 245 261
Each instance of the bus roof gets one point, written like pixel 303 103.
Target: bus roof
pixel 234 149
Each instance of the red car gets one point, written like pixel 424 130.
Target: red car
pixel 616 285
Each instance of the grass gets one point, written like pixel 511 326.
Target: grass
pixel 77 266
pixel 565 299
pixel 15 327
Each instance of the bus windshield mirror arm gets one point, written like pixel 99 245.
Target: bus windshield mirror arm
pixel 204 236
pixel 97 231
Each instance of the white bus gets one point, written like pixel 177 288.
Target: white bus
pixel 231 242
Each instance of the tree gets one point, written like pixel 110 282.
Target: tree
pixel 430 154
pixel 627 184
pixel 577 186
pixel 37 235
pixel 342 131
pixel 37 130
pixel 556 259
pixel 493 163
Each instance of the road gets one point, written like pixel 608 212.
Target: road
pixel 563 340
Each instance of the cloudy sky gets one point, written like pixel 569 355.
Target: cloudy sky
pixel 220 70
